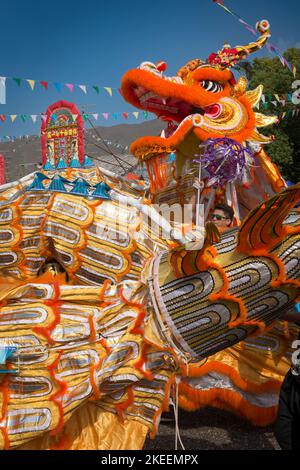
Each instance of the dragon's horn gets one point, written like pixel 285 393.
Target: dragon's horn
pixel 262 27
pixel 228 57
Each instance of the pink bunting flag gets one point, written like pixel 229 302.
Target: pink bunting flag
pixel 125 115
pixel 70 86
pixel 44 117
pixel 105 115
pixel 45 85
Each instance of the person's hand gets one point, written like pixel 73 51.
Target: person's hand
pixel 198 184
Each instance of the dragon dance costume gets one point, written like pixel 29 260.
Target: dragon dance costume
pixel 94 352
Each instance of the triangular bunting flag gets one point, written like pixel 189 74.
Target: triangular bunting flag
pixel 85 116
pixel 44 85
pixel 96 88
pixel 125 115
pixel 109 90
pixel 13 117
pixel 2 90
pixel 70 86
pixel 115 115
pixel 274 103
pixel 105 115
pixel 83 88
pixel 2 117
pixel 74 116
pixel 136 114
pixel 58 86
pixel 24 117
pixel 44 117
pixel 145 114
pixel 95 116
pixel 263 98
pixel 33 117
pixel 277 97
pixel 294 71
pixel 18 81
pixel 31 84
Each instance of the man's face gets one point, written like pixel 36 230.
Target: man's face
pixel 220 219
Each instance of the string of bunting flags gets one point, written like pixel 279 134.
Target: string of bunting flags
pixel 106 116
pixel 36 137
pixel 58 86
pixel 276 99
pixel 273 49
pixel 13 138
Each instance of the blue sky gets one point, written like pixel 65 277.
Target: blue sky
pixel 94 42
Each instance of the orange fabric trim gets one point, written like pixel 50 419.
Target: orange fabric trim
pixel 164 406
pixel 192 400
pixel 237 380
pixel 105 286
pixel 4 389
pixel 95 388
pixel 97 393
pixel 55 305
pixel 141 313
pixel 121 407
pixel 5 437
pixel 141 361
pixel 55 397
pixel 93 334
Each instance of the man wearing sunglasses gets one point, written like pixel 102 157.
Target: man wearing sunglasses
pixel 222 216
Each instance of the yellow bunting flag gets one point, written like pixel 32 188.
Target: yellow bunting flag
pixel 31 83
pixel 136 114
pixel 109 90
pixel 13 117
pixel 74 116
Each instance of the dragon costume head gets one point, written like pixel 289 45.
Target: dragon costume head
pixel 201 102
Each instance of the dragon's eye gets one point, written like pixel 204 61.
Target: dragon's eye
pixel 212 87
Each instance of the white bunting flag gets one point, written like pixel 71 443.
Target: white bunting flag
pixel 2 90
pixel 83 88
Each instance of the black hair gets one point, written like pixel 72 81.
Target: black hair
pixel 228 211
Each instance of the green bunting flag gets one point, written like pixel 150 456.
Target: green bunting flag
pixel 18 81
